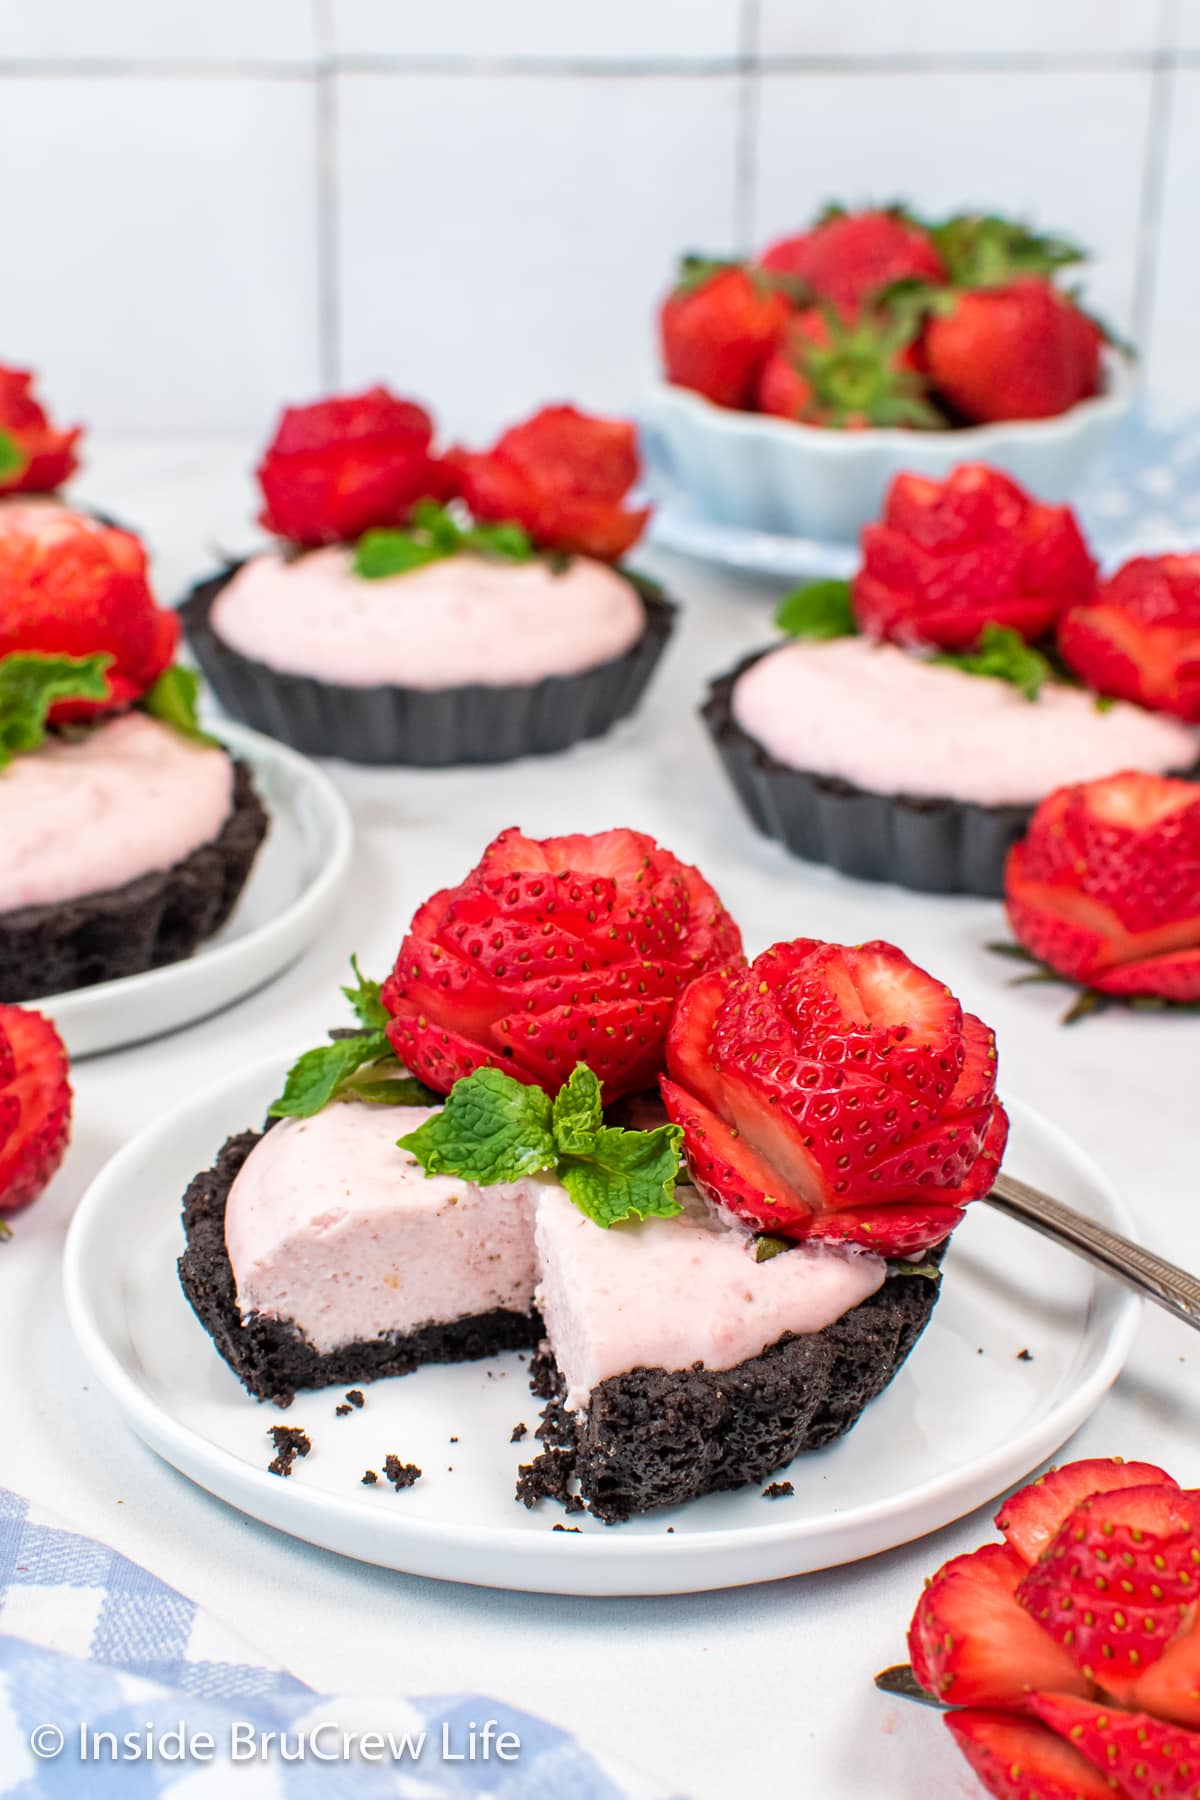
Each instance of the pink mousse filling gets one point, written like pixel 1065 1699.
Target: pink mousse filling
pixel 465 619
pixel 333 1228
pixel 895 724
pixel 130 797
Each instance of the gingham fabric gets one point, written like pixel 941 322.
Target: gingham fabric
pixel 91 1644
pixel 1143 494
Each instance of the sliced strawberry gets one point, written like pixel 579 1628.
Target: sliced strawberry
pixel 1139 639
pixel 621 1042
pixel 1020 1759
pixel 441 1057
pixel 1170 1687
pixel 1032 1517
pixel 904 1231
pixel 972 1645
pixel 725 1167
pixel 689 1053
pixel 35 1105
pixel 47 456
pixel 1148 1760
pixel 1174 976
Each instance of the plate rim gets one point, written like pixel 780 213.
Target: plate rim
pixel 963 1488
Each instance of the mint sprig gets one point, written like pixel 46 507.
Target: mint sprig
pixel 30 684
pixel 494 1128
pixel 13 460
pixel 820 611
pixel 173 699
pixel 1003 654
pixel 359 1065
pixel 433 535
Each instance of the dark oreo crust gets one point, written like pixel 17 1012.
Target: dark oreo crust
pixel 659 1437
pixel 157 919
pixel 428 728
pixel 272 1359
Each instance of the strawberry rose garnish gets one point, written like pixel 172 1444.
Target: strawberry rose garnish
pixel 553 952
pixel 35 1105
pixel 952 557
pixel 836 1092
pixel 1139 637
pixel 339 467
pixel 35 458
pixel 848 257
pixel 718 326
pixel 1073 1648
pixel 1105 886
pixel 563 476
pixel 73 587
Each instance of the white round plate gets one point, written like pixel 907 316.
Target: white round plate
pixel 964 1420
pixel 293 888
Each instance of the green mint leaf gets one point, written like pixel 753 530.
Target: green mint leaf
pixel 578 1115
pixel 381 553
pixel 1003 654
pixel 508 541
pixel 173 698
pixel 491 1129
pixel 13 460
pixel 401 1090
pixel 29 686
pixel 766 1246
pixel 315 1078
pixel 626 1175
pixel 821 611
pixel 369 1009
pixel 930 1271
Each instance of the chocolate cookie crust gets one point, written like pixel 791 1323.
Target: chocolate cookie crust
pixel 271 1358
pixel 157 919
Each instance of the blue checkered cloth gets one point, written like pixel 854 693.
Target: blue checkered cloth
pixel 1143 494
pixel 92 1644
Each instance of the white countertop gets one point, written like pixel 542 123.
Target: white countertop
pixel 766 1688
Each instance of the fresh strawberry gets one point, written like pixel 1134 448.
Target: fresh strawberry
pixel 34 457
pixel 1019 351
pixel 718 326
pixel 1139 638
pixel 950 557
pixel 553 952
pixel 847 372
pixel 1020 1759
pixel 1105 886
pixel 835 1092
pixel 70 586
pixel 849 257
pixel 338 467
pixel 972 1645
pixel 35 1105
pixel 1146 1759
pixel 1033 1516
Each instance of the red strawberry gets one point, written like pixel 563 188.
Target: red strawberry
pixel 562 475
pixel 717 328
pixel 848 257
pixel 950 557
pixel 1020 351
pixel 39 458
pixel 1139 637
pixel 1105 886
pixel 1019 1759
pixel 1170 1687
pixel 338 467
pixel 70 586
pixel 971 1644
pixel 1033 1516
pixel 835 1092
pixel 845 371
pixel 35 1105
pixel 1146 1759
pixel 552 952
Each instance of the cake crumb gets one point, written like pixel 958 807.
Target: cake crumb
pixel 454 1440
pixel 566 1527
pixel 778 1490
pixel 518 1432
pixel 369 1478
pixel 1024 1356
pixel 290 1442
pixel 342 1412
pixel 670 1529
pixel 356 1397
pixel 400 1474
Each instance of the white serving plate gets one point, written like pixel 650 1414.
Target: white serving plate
pixel 963 1421
pixel 292 891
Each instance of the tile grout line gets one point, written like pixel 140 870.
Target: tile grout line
pixel 1153 190
pixel 328 234
pixel 745 192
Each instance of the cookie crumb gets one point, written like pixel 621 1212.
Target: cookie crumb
pixel 355 1397
pixel 400 1474
pixel 369 1478
pixel 778 1490
pixel 342 1412
pixel 670 1528
pixel 518 1432
pixel 290 1442
pixel 566 1528
pixel 1024 1356
pixel 454 1440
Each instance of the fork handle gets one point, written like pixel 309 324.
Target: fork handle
pixel 1168 1286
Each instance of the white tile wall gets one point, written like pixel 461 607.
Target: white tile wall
pixel 1186 24
pixel 946 28
pixel 504 241
pixel 541 30
pixel 1173 359
pixel 146 31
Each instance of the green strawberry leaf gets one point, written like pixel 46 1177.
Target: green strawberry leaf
pixel 30 684
pixel 172 698
pixel 13 460
pixel 369 1009
pixel 985 250
pixel 320 1075
pixel 626 1175
pixel 766 1246
pixel 578 1116
pixel 821 610
pixel 492 1128
pixel 929 1271
pixel 1003 654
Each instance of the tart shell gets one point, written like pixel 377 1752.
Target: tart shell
pixel 426 727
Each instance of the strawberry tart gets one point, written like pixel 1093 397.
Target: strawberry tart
pixel 35 456
pixel 711 1289
pixel 128 834
pixel 918 714
pixel 435 608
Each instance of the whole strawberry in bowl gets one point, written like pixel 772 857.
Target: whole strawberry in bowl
pixel 911 345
